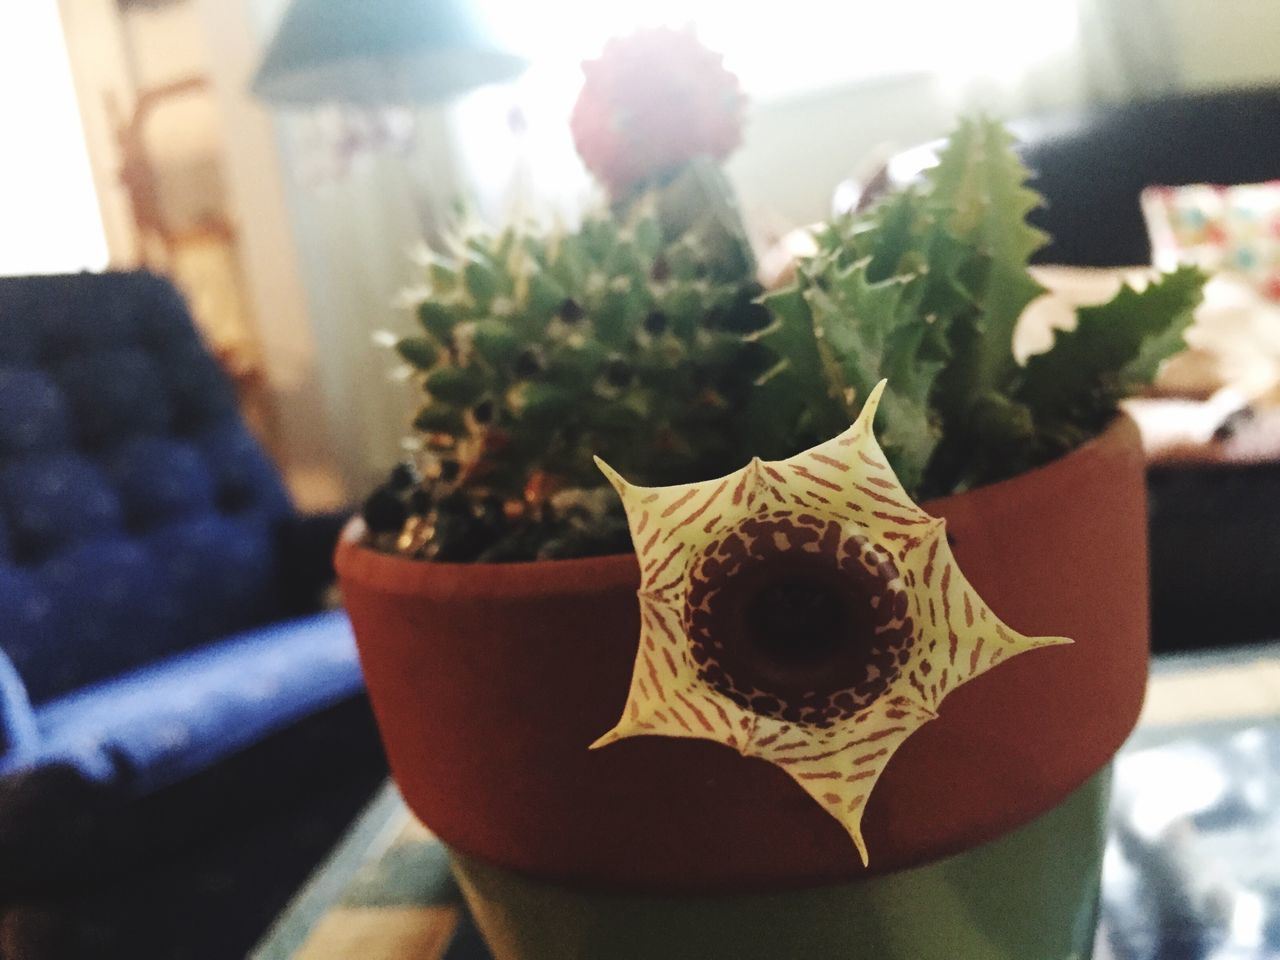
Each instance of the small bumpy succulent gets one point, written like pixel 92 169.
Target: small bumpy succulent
pixel 537 352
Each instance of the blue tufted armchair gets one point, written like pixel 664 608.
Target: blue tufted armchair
pixel 159 595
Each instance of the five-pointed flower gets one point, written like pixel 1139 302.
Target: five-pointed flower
pixel 804 611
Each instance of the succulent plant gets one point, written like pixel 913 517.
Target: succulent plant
pixel 641 338
pixel 538 351
pixel 925 290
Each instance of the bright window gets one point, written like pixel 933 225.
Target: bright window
pixel 49 216
pixel 798 46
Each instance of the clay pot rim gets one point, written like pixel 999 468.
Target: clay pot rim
pixel 391 573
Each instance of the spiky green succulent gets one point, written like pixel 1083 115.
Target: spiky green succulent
pixel 538 351
pixel 642 338
pixel 926 290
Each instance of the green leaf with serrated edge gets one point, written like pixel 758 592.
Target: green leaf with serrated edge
pixel 894 234
pixel 800 372
pixel 1113 346
pixel 874 331
pixel 947 268
pixel 978 191
pixel 1160 346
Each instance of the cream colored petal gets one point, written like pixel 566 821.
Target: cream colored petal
pixel 958 636
pixel 666 697
pixel 840 766
pixel 696 712
pixel 849 477
pixel 668 523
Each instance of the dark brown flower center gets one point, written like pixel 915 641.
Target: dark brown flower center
pixel 791 617
pixel 796 626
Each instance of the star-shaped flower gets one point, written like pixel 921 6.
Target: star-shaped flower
pixel 804 611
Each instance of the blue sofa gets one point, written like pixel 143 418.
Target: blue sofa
pixel 159 595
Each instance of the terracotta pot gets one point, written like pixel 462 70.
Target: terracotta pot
pixel 489 682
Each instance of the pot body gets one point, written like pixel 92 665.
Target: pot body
pixel 490 681
pixel 1029 895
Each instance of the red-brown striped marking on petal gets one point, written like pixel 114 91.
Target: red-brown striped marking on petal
pixel 816 618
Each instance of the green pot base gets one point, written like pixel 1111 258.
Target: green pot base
pixel 1030 895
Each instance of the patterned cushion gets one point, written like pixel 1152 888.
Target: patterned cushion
pixel 1221 228
pixel 137 513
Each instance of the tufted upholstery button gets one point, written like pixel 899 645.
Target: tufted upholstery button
pixel 160 480
pixel 240 550
pixel 200 394
pixel 55 500
pixel 33 414
pixel 239 468
pixel 113 393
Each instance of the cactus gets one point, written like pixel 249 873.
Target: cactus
pixel 638 338
pixel 925 289
pixel 538 351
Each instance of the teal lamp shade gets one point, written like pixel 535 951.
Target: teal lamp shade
pixel 380 52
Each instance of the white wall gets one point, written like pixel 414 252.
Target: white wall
pixel 795 151
pixel 49 218
pixel 1227 42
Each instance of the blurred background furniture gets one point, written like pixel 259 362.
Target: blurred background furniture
pixel 167 671
pixel 1215 512
pixel 1092 163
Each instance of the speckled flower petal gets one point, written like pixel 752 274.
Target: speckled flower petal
pixel 907 626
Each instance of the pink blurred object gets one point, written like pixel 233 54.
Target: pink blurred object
pixel 651 102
